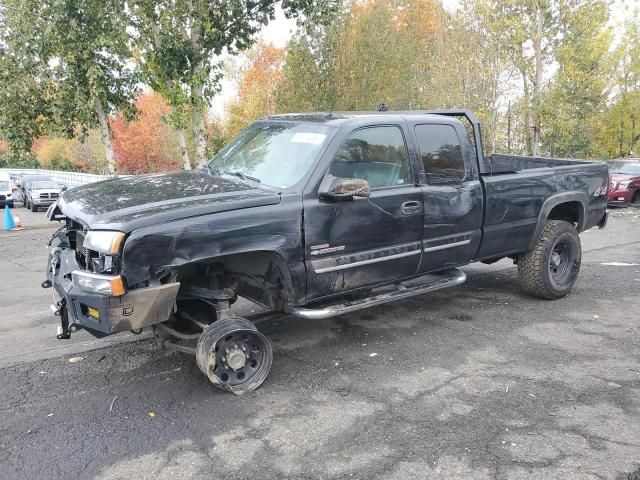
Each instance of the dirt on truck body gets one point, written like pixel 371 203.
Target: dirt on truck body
pixel 315 215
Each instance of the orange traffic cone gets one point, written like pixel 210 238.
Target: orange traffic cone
pixel 18 223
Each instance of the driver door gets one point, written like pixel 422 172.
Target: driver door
pixel 360 242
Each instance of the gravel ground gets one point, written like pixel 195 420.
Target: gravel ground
pixel 477 382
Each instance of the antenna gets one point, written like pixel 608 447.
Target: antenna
pixel 331 107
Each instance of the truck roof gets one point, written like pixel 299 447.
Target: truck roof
pixel 337 118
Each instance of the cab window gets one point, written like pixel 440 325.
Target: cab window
pixel 440 153
pixel 375 154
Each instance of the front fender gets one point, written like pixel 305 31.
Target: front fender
pixel 149 253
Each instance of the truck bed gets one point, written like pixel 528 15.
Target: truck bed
pixel 516 192
pixel 497 164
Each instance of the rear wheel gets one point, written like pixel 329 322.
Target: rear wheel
pixel 551 269
pixel 234 355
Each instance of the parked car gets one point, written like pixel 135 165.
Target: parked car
pixel 6 192
pixel 624 182
pixel 14 181
pixel 41 193
pixel 24 181
pixel 315 215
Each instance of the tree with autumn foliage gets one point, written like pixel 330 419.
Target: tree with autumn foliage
pixel 59 153
pixel 375 52
pixel 256 93
pixel 147 144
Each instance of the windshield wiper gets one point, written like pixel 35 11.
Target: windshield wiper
pixel 213 171
pixel 243 176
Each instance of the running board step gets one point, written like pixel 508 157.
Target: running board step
pixel 449 278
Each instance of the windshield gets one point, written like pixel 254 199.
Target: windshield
pixel 44 185
pixel 628 168
pixel 4 186
pixel 274 153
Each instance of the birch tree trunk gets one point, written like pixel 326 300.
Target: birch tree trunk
pixel 105 135
pixel 182 141
pixel 186 161
pixel 537 51
pixel 198 126
pixel 527 111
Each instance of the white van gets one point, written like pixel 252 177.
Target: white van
pixel 6 194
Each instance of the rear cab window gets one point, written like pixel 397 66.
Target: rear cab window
pixel 440 152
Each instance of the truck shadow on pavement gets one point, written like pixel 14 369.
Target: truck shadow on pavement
pixel 475 382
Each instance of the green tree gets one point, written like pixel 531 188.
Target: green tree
pixel 24 88
pixel 181 43
pixel 256 93
pixel 374 52
pixel 306 83
pixel 81 46
pixel 577 95
pixel 528 31
pixel 620 132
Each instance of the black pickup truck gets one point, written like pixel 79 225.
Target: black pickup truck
pixel 314 215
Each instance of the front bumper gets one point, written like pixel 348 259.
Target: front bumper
pixel 101 314
pixel 43 202
pixel 620 197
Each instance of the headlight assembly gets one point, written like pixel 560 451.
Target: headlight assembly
pixel 103 241
pixel 112 285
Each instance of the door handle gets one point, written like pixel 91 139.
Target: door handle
pixel 409 208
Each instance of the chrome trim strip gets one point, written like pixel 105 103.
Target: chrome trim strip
pixel 447 245
pixel 365 262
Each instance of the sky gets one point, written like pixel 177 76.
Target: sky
pixel 279 31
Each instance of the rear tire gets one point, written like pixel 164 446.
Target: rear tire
pixel 551 269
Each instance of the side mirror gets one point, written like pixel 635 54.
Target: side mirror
pixel 64 188
pixel 337 188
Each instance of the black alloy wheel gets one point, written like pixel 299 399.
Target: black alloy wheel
pixel 551 269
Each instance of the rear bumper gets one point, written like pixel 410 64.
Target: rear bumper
pixel 101 314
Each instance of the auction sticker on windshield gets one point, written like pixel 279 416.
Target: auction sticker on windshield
pixel 308 137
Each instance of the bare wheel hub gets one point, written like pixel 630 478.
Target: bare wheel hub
pixel 242 354
pixel 235 358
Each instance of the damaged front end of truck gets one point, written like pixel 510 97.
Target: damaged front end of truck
pixel 176 262
pixel 84 269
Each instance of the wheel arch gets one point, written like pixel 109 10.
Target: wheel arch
pixel 568 206
pixel 262 276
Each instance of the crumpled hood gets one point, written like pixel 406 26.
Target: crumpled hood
pixel 129 203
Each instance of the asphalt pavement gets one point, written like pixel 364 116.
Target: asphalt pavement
pixel 479 381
